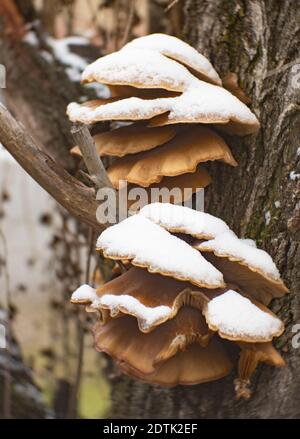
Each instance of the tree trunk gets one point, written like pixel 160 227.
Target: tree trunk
pixel 259 199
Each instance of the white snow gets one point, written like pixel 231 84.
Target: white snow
pixel 31 38
pixel 298 152
pixel 277 204
pixel 210 102
pixel 147 244
pixel 185 220
pixel 294 176
pixel 237 317
pixel 130 108
pixel 201 103
pixel 229 245
pixel 84 293
pixel 248 241
pixel 146 315
pixel 267 217
pixel 144 68
pixel 179 50
pixel 5 156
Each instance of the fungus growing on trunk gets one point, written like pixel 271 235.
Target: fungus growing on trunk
pixel 159 82
pixel 165 320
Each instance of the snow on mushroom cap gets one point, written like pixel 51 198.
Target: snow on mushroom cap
pixel 182 219
pixel 147 316
pixel 179 50
pixel 139 68
pixel 84 294
pixel 237 318
pixel 149 245
pixel 125 109
pixel 229 245
pixel 211 103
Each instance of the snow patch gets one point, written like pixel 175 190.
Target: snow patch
pixel 237 317
pixel 228 244
pixel 185 220
pixel 148 316
pixel 267 217
pixel 294 176
pixel 149 245
pixel 277 204
pixel 84 293
pixel 176 49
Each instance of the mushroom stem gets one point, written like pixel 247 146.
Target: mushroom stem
pixel 247 364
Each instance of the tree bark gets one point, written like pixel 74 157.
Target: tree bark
pixel 250 38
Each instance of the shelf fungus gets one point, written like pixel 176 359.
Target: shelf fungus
pixel 175 316
pixel 174 102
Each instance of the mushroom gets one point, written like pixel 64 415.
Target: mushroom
pixel 194 365
pixel 170 322
pixel 122 339
pixel 139 68
pixel 179 51
pixel 176 189
pixel 179 156
pixel 147 245
pixel 151 298
pixel 250 356
pixel 236 318
pixel 250 268
pixel 130 140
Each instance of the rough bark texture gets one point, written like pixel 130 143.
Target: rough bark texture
pixel 250 38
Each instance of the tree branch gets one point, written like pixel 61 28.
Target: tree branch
pixel 78 199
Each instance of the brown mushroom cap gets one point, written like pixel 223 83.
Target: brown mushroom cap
pixel 138 287
pixel 195 365
pixel 181 188
pixel 122 339
pixel 180 155
pixel 126 91
pixel 130 140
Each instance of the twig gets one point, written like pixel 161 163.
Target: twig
pixel 129 23
pixel 7 372
pixel 84 140
pixel 72 412
pixel 78 199
pixel 170 6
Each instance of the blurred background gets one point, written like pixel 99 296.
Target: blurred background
pixel 49 367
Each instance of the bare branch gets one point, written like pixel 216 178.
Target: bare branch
pixel 78 199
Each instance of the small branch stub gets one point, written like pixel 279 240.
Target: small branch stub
pixel 84 140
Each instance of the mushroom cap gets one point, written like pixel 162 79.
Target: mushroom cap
pixel 236 318
pixel 130 140
pixel 122 339
pixel 117 109
pixel 207 103
pixel 180 155
pixel 195 365
pixel 180 219
pixel 127 91
pixel 151 298
pixel 250 268
pixel 265 352
pixel 180 51
pixel 147 245
pixel 174 189
pixel 139 68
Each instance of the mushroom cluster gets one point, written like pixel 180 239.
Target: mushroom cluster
pixel 191 289
pixel 173 103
